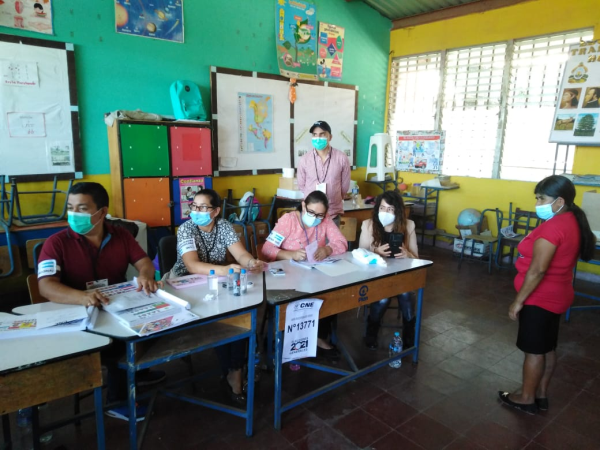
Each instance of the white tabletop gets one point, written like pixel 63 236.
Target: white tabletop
pixel 348 206
pixel 23 352
pixel 313 281
pixel 226 303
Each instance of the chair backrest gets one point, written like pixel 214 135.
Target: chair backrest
pixel 34 290
pixel 167 253
pixel 282 211
pixel 524 221
pixel 348 228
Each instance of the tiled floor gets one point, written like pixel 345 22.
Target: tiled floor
pixel 449 401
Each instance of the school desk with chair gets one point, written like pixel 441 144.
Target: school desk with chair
pixel 229 318
pixel 39 369
pixel 343 287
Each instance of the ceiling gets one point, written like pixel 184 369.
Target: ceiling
pixel 399 9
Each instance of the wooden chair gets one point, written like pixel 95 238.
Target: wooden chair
pixel 523 222
pixel 348 228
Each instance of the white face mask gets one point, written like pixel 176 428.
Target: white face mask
pixel 386 218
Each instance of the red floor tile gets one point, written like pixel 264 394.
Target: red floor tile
pixel 390 410
pixel 427 432
pixel 361 428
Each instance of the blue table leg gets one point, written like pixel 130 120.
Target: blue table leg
pixel 251 368
pixel 99 417
pixel 418 325
pixel 278 369
pixel 131 395
pixel 270 336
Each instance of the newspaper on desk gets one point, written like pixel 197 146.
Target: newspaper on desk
pixel 301 326
pixel 143 313
pixel 68 319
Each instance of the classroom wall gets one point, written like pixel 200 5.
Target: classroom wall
pixel 532 18
pixel 125 72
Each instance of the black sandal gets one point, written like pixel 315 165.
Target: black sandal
pixel 239 399
pixel 530 408
pixel 542 403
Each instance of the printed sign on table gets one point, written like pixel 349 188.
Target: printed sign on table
pixel 30 15
pixel 331 52
pixel 296 38
pixel 301 326
pixel 150 19
pixel 578 107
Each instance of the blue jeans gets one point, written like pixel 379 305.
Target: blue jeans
pixel 378 309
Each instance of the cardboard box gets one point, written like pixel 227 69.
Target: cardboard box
pixel 291 184
pixel 288 193
pixel 480 249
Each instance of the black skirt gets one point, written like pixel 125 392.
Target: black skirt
pixel 538 330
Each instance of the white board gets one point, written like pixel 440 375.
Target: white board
pixel 577 116
pixel 334 105
pixel 37 109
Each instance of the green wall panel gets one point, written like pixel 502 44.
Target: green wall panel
pixel 126 72
pixel 144 150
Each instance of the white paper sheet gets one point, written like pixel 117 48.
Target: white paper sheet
pixel 301 327
pixel 20 74
pixel 341 267
pixel 29 125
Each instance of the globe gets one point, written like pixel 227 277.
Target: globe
pixel 469 216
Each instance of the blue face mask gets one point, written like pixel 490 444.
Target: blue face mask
pixel 319 143
pixel 81 223
pixel 545 212
pixel 201 219
pixel 310 221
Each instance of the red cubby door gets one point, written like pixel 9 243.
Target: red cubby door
pixel 190 151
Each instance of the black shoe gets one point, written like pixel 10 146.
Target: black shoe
pixel 331 354
pixel 371 342
pixel 542 403
pixel 408 332
pixel 530 408
pixel 239 399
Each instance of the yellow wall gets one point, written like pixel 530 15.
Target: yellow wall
pixel 532 18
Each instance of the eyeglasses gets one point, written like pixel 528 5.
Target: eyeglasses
pixel 201 208
pixel 389 209
pixel 314 214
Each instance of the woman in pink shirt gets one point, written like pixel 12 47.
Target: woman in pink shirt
pixel 301 229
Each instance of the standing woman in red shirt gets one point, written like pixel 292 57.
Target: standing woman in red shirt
pixel 544 286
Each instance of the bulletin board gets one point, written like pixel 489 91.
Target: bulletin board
pixel 577 116
pixel 39 118
pixel 256 130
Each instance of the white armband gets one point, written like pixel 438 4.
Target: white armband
pixel 186 246
pixel 275 238
pixel 47 268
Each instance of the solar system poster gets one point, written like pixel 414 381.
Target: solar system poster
pixel 155 19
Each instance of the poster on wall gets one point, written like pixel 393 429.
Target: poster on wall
pixel 331 51
pixel 30 15
pixel 184 191
pixel 255 122
pixel 156 19
pixel 420 151
pixel 296 39
pixel 578 107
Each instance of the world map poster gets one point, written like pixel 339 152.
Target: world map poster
pixel 156 19
pixel 255 115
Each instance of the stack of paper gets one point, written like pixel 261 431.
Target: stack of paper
pixel 75 318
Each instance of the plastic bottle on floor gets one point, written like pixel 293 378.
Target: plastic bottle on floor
pixel 395 348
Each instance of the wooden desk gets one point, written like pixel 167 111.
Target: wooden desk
pixel 35 370
pixel 222 321
pixel 366 285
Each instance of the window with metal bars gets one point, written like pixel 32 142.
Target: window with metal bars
pixel 496 103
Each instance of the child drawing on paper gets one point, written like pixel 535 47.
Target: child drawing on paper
pixel 39 10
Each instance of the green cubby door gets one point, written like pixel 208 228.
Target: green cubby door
pixel 145 150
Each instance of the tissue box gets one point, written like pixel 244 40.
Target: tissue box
pixel 288 193
pixel 480 249
pixel 290 184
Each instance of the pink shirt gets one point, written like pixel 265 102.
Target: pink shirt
pixel 335 172
pixel 295 236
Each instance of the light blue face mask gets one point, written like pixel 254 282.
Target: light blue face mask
pixel 319 143
pixel 200 218
pixel 545 212
pixel 310 221
pixel 81 223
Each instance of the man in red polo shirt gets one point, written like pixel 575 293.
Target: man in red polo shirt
pixel 90 254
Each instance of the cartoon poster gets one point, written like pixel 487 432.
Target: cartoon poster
pixel 331 51
pixel 30 15
pixel 420 151
pixel 296 30
pixel 578 106
pixel 255 116
pixel 156 19
pixel 188 188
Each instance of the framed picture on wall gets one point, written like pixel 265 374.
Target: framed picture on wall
pixel 420 151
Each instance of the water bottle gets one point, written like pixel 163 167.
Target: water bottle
pixel 354 195
pixel 236 284
pixel 243 282
pixel 230 280
pixel 395 348
pixel 213 284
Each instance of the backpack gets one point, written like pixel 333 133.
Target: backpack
pixel 254 212
pixel 187 101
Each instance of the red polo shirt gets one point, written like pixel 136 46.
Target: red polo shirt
pixel 78 261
